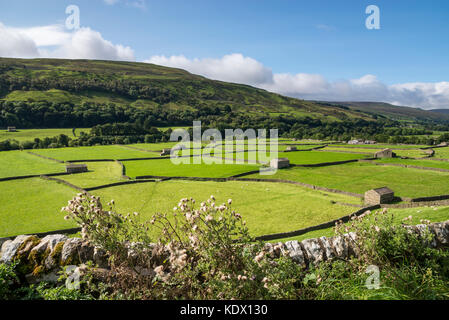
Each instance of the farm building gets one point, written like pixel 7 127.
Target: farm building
pixel 356 141
pixel 361 141
pixel 379 196
pixel 443 144
pixel 76 168
pixel 430 152
pixel 290 148
pixel 280 163
pixel 12 129
pixel 386 153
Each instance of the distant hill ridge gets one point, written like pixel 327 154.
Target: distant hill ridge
pixel 144 85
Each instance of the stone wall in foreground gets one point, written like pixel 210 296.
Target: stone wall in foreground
pixel 42 258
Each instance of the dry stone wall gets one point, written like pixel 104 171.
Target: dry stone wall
pixel 42 258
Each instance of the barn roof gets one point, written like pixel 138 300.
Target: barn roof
pixel 73 165
pixel 383 190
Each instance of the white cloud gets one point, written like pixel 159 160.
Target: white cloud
pixel 54 41
pixel 233 68
pixel 14 44
pixel 240 69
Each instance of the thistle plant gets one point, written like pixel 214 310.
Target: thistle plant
pixel 106 228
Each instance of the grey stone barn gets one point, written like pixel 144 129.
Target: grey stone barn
pixel 76 168
pixel 291 148
pixel 280 163
pixel 379 196
pixel 12 129
pixel 386 153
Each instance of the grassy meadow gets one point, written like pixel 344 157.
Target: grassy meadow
pixel 30 134
pixel 96 152
pixel 165 167
pixel 32 205
pixel 361 177
pixel 21 163
pixel 433 214
pixel 266 207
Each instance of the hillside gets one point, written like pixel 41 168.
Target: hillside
pixel 144 85
pixel 399 113
pixel 444 111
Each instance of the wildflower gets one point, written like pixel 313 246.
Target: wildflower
pixel 212 198
pixel 175 208
pixel 159 270
pixel 259 257
pixel 229 201
pixel 238 216
pixel 66 218
pixel 209 218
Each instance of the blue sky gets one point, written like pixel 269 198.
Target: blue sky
pixel 326 43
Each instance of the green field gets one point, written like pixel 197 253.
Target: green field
pixel 93 153
pixel 31 134
pixel 411 153
pixel 100 173
pixel 32 205
pixel 295 157
pixel 379 146
pixel 164 167
pixel 21 163
pixel 420 163
pixel 442 153
pixel 314 157
pixel 267 207
pixel 436 214
pixel 361 177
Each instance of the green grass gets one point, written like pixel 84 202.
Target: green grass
pixel 379 146
pixel 299 157
pixel 361 177
pixel 32 205
pixel 153 146
pixel 31 134
pixel 164 167
pixel 436 214
pixel 420 163
pixel 92 153
pixel 314 157
pixel 100 173
pixel 442 153
pixel 411 153
pixel 20 163
pixel 267 207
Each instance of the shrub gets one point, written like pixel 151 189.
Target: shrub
pixel 205 251
pixel 408 267
pixel 201 253
pixel 8 281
